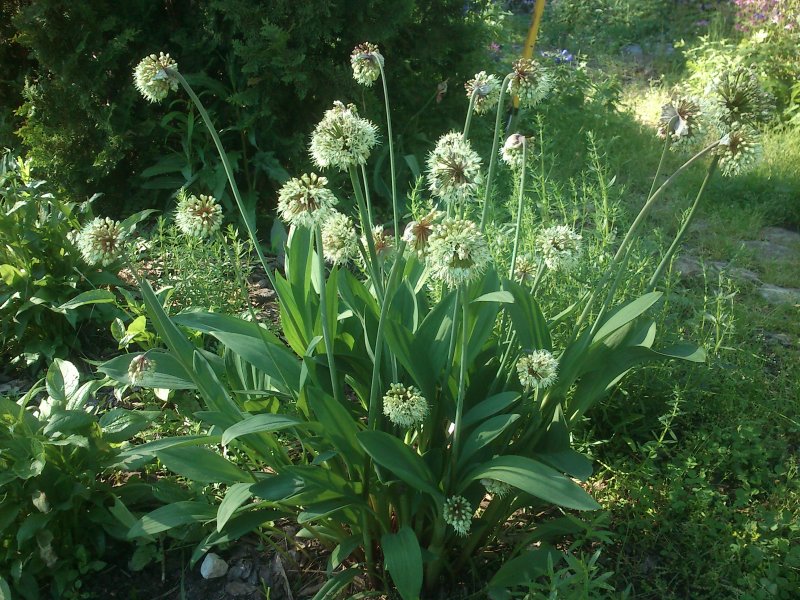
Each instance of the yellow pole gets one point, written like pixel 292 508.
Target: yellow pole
pixel 530 40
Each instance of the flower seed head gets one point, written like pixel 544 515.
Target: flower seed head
pixel 738 150
pixel 417 233
pixel 139 367
pixel 537 370
pixel 405 406
pixel 495 487
pixel 525 268
pixel 736 96
pixel 529 82
pixel 560 247
pixel 198 216
pixel 342 139
pixel 305 201
pixel 457 513
pixel 454 169
pixel 382 239
pixel 152 77
pixel 101 241
pixel 457 252
pixel 367 62
pixel 679 120
pixel 486 89
pixel 512 150
pixel 339 238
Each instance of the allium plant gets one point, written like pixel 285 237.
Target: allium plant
pixel 102 241
pixel 420 394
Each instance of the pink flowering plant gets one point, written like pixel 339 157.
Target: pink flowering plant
pixel 417 395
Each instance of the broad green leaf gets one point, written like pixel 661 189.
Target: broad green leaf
pixel 181 347
pixel 625 314
pixel 215 394
pixel 342 551
pixel 62 380
pixel 67 421
pixel 522 571
pixel 166 372
pixel 120 424
pixel 237 494
pixel 404 562
pixel 554 449
pixel 270 357
pixel 393 454
pixel 320 510
pixel 278 487
pixel 259 424
pixel 335 584
pixel 501 296
pixel 5 591
pixel 684 351
pixel 242 524
pixel 534 478
pixel 491 406
pixel 527 318
pixel 339 425
pixel 90 297
pixel 483 434
pixel 171 516
pixel 201 465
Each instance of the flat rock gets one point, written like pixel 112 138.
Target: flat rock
pixel 239 588
pixel 778 339
pixel 213 566
pixel 765 250
pixel 688 266
pixel 781 236
pixel 778 295
pixel 737 273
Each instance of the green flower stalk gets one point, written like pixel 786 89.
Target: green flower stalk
pixel 152 77
pixel 101 241
pixel 305 201
pixel 342 139
pixel 537 370
pixel 198 216
pixel 457 252
pixel 454 169
pixel 405 406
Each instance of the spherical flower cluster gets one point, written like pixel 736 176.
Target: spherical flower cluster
pixel 339 238
pixel 305 201
pixel 457 252
pixel 152 78
pixel 495 487
pixel 342 139
pixel 679 120
pixel 537 370
pixel 560 247
pixel 525 268
pixel 198 216
pixel 418 233
pixel 101 241
pixel 458 513
pixel 512 150
pixel 382 239
pixel 405 405
pixel 486 89
pixel 529 82
pixel 738 150
pixel 736 96
pixel 367 62
pixel 138 368
pixel 454 169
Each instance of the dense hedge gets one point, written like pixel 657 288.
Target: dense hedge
pixel 279 64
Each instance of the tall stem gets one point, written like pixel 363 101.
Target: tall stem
pixel 366 227
pixel 495 147
pixel 470 110
pixel 682 232
pixel 518 226
pixel 462 379
pixel 326 334
pixel 395 207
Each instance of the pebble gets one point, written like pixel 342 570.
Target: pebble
pixel 213 566
pixel 778 295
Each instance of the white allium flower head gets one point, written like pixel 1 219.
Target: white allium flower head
pixel 198 216
pixel 738 150
pixel 152 78
pixel 560 247
pixel 305 201
pixel 457 252
pixel 530 82
pixel 457 513
pixel 512 150
pixel 418 233
pixel 495 487
pixel 538 369
pixel 525 267
pixel 736 96
pixel 486 89
pixel 367 61
pixel 339 238
pixel 139 367
pixel 679 120
pixel 404 405
pixel 342 139
pixel 454 169
pixel 101 241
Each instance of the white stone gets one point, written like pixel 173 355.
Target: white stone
pixel 213 566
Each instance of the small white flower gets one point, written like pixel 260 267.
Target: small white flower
pixel 486 89
pixel 305 201
pixel 454 169
pixel 152 78
pixel 342 139
pixel 339 238
pixel 367 61
pixel 457 513
pixel 457 252
pixel 101 241
pixel 198 216
pixel 560 247
pixel 404 405
pixel 537 370
pixel 529 82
